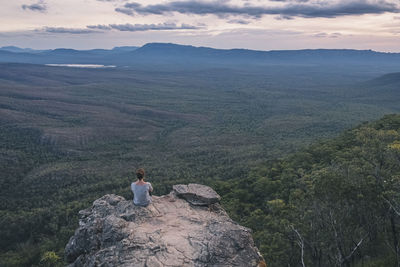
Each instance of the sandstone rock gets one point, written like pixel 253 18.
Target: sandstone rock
pixel 168 232
pixel 196 194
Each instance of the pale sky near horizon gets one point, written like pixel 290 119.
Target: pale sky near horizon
pixel 251 24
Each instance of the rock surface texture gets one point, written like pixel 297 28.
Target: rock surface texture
pixel 169 232
pixel 197 194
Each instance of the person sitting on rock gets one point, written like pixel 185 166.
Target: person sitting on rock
pixel 141 190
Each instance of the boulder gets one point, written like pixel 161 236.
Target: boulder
pixel 196 194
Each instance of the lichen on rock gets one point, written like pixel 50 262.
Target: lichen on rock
pixel 169 232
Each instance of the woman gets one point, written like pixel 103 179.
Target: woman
pixel 141 190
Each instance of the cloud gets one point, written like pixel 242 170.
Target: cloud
pixel 143 27
pixel 301 1
pixel 128 8
pixel 67 30
pixel 239 21
pixel 99 27
pixel 38 7
pixel 126 11
pixel 283 17
pixel 308 9
pixel 327 35
pixel 119 27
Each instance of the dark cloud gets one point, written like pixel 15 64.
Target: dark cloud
pixel 125 11
pixel 239 21
pixel 307 9
pixel 119 27
pixel 143 27
pixel 67 30
pixel 99 27
pixel 284 17
pixel 128 8
pixel 39 7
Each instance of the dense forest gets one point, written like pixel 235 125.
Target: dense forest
pixel 335 203
pixel 69 136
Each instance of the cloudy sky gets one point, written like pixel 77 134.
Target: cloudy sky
pixel 253 24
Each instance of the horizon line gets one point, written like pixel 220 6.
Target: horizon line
pixel 178 44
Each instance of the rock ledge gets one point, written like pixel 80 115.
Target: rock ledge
pixel 168 232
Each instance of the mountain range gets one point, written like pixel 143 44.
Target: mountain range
pixel 168 53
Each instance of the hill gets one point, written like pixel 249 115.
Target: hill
pixel 391 79
pixel 383 89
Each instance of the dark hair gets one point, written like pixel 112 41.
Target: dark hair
pixel 140 173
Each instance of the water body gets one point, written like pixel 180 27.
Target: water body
pixel 91 66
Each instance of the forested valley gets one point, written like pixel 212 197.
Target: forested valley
pixel 305 156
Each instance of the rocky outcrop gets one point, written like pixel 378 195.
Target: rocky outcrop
pixel 169 232
pixel 197 194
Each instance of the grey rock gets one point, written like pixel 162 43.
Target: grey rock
pixel 168 232
pixel 197 194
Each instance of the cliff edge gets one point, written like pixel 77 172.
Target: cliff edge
pixel 187 227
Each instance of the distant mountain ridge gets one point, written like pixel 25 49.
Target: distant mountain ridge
pixel 169 50
pixel 16 49
pixel 169 53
